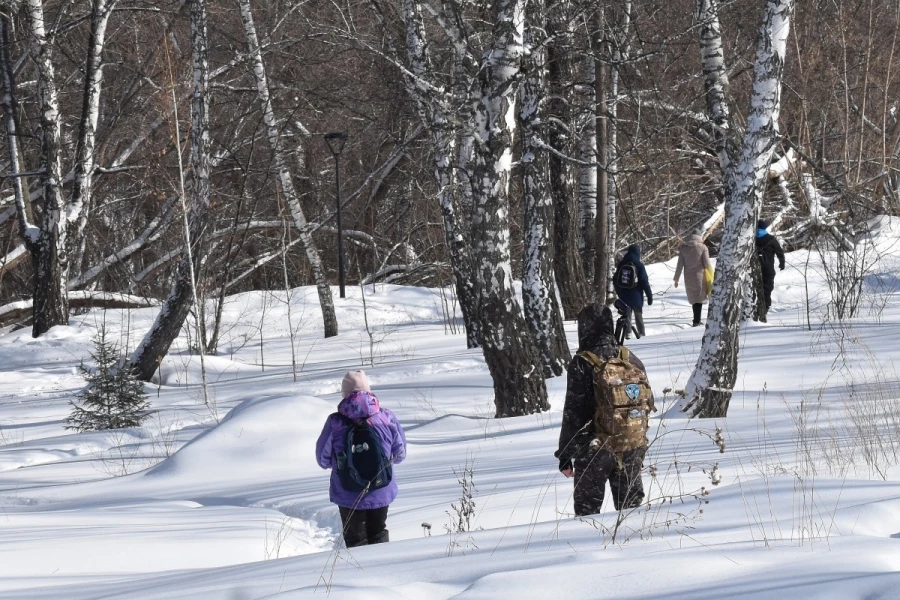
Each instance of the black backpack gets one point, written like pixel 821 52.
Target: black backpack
pixel 363 465
pixel 626 276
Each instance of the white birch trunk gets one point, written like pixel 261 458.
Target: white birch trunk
pixel 512 358
pixel 715 78
pixel 27 229
pixel 709 387
pixel 538 285
pixel 87 129
pixel 49 254
pixel 434 114
pixel 587 175
pixel 284 173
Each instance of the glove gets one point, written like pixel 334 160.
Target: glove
pixel 781 267
pixel 649 300
pixel 676 283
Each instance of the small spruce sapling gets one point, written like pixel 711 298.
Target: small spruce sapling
pixel 113 398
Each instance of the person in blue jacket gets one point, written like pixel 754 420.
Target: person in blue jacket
pixel 631 284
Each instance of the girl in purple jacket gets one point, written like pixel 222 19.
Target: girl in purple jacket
pixel 363 514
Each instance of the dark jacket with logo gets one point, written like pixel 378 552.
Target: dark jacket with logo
pixel 634 297
pixel 596 335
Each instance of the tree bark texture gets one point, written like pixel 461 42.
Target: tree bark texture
pixel 605 247
pixel 570 278
pixel 49 255
pixel 284 174
pixel 710 386
pixel 587 174
pixel 511 357
pixel 715 78
pixel 174 311
pixel 538 286
pixel 442 133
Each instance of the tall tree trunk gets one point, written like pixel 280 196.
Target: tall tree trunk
pixel 715 78
pixel 284 175
pixel 49 255
pixel 573 289
pixel 87 126
pixel 605 247
pixel 174 311
pixel 512 358
pixel 538 286
pixel 434 115
pixel 587 175
pixel 710 386
pixel 24 216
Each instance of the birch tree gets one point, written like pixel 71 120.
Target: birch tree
pixel 47 241
pixel 285 179
pixel 512 358
pixel 710 386
pixel 155 344
pixel 542 312
pixel 435 113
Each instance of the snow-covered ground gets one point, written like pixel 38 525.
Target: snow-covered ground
pixel 225 501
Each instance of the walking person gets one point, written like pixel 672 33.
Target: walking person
pixel 631 284
pixel 361 443
pixel 767 248
pixel 605 418
pixel 693 259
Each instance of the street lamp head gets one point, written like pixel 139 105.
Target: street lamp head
pixel 336 141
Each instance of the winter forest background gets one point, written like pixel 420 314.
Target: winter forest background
pixel 168 233
pixel 487 141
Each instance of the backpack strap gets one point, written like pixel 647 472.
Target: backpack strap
pixel 625 354
pixel 346 420
pixel 594 360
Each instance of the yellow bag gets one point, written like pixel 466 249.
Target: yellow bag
pixel 708 279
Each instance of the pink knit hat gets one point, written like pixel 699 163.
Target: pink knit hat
pixel 353 381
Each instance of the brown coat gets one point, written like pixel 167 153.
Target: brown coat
pixel 693 257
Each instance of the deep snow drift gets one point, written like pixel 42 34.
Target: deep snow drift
pixel 225 501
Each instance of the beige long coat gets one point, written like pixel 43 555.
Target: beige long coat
pixel 693 257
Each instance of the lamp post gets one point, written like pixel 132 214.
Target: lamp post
pixel 336 141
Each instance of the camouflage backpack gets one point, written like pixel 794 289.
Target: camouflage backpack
pixel 624 401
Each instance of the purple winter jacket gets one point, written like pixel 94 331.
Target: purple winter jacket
pixel 357 406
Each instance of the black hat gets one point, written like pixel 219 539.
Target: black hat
pixel 762 224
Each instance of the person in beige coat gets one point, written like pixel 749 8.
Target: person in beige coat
pixel 693 259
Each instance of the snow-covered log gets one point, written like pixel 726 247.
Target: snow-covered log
pixel 19 311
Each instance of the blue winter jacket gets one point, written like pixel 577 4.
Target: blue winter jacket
pixel 635 296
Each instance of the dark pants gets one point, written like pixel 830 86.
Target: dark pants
pixel 768 286
pixel 638 321
pixel 362 527
pixel 698 309
pixel 593 470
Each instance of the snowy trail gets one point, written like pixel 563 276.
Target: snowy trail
pixel 226 501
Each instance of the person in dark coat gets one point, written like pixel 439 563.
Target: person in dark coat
pixel 767 248
pixel 591 467
pixel 634 297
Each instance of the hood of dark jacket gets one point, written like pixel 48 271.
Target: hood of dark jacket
pixel 595 327
pixel 359 405
pixel 632 254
